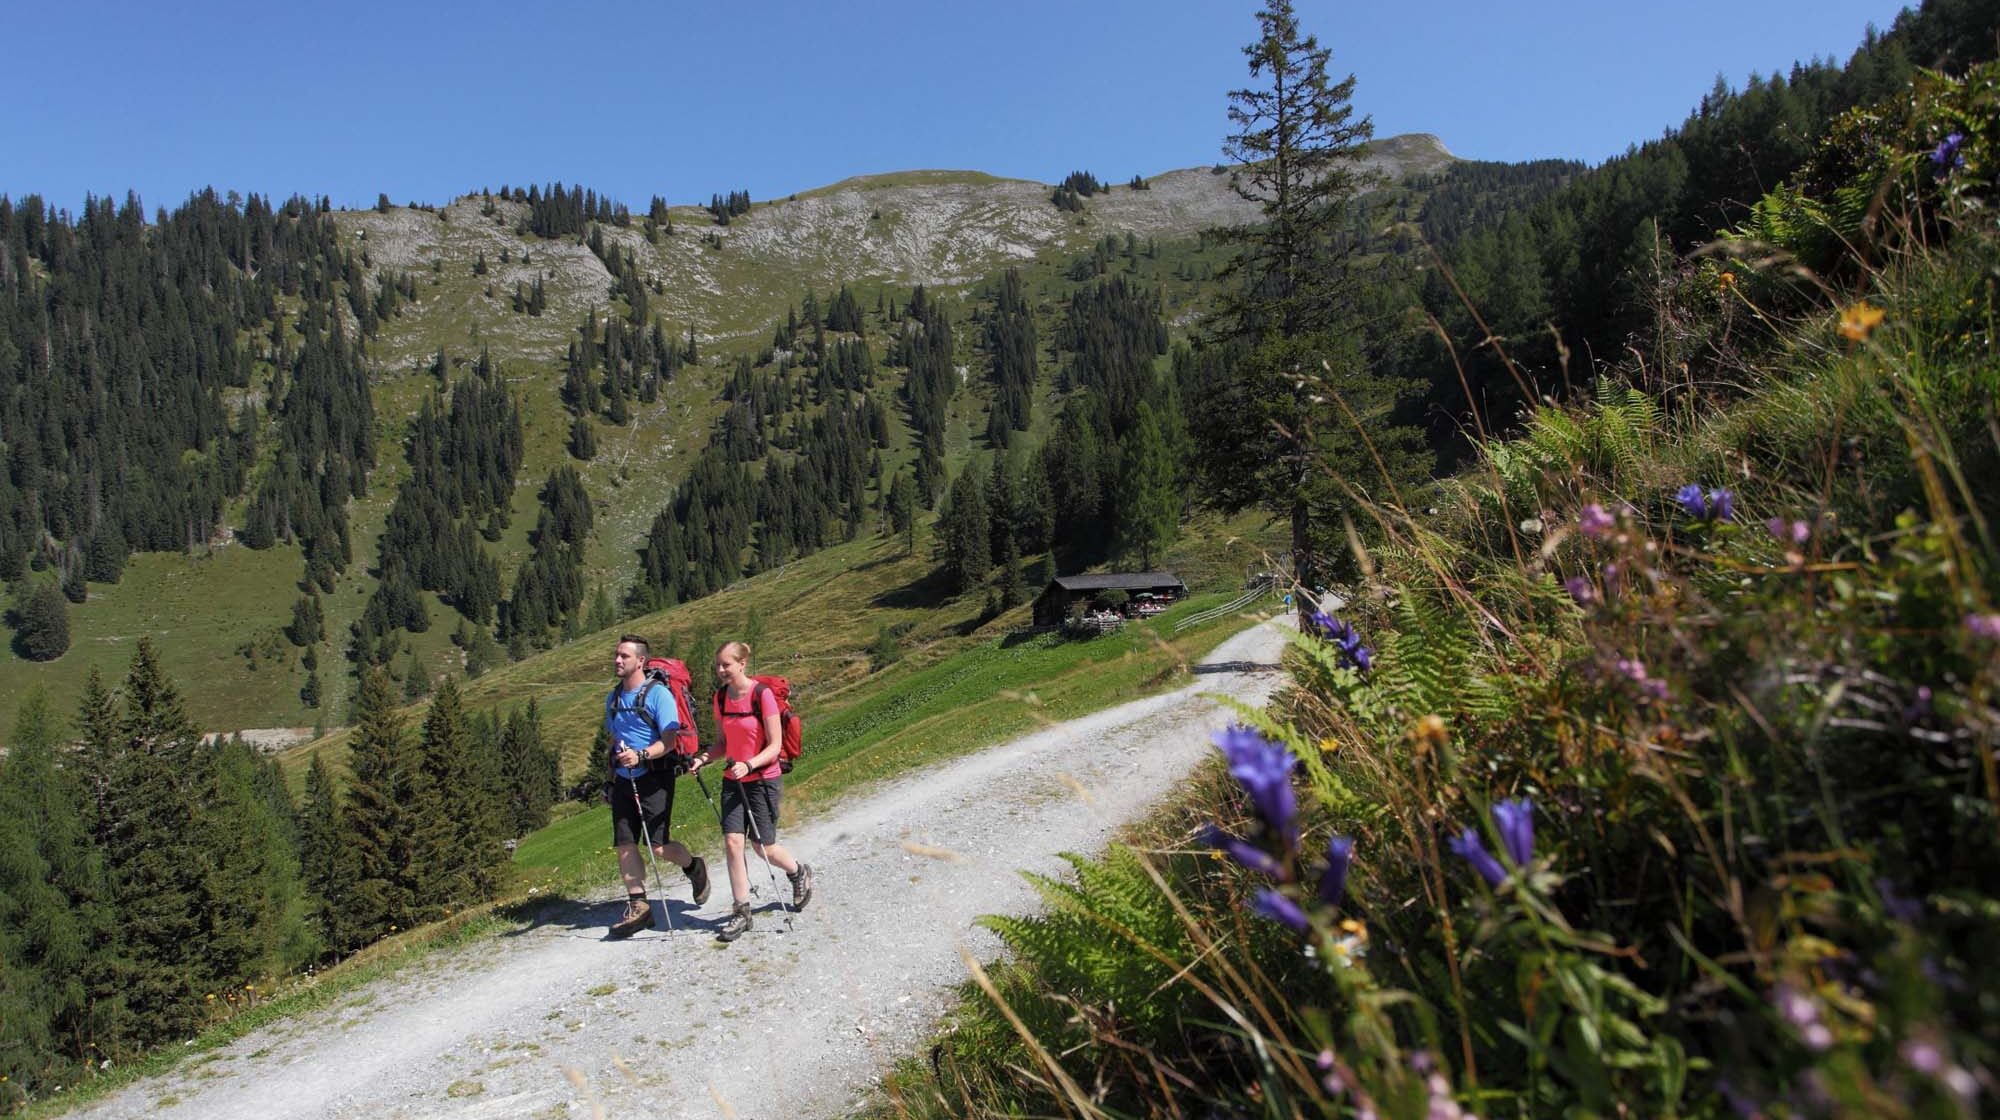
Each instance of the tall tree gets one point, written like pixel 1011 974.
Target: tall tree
pixel 323 868
pixel 1269 422
pixel 1149 492
pixel 376 819
pixel 57 995
pixel 963 534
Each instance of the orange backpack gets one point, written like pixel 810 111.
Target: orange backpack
pixel 792 740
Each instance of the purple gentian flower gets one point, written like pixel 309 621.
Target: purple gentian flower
pixel 1947 155
pixel 1333 883
pixel 1718 504
pixel 1352 652
pixel 1983 626
pixel 1721 505
pixel 1594 522
pixel 1514 819
pixel 1279 909
pixel 1265 770
pixel 1472 849
pixel 1243 852
pixel 1579 588
pixel 1326 623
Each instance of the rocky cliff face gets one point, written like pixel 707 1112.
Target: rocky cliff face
pixel 939 228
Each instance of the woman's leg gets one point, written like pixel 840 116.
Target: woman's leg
pixel 739 875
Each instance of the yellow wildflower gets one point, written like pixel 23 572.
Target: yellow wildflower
pixel 1857 321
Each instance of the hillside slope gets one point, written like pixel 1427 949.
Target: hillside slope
pixel 218 615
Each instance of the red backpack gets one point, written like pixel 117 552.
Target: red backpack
pixel 791 738
pixel 673 673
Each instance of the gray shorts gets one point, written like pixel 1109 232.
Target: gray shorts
pixel 761 798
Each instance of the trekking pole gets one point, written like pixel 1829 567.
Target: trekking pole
pixel 646 836
pixel 750 822
pixel 712 807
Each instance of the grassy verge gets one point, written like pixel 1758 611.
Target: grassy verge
pixel 1678 798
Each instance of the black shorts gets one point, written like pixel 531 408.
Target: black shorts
pixel 762 798
pixel 656 793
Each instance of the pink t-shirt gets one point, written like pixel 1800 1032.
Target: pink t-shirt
pixel 743 728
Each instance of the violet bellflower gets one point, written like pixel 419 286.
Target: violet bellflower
pixel 1721 505
pixel 1333 881
pixel 1348 640
pixel 1594 522
pixel 1691 500
pixel 1243 852
pixel 1947 154
pixel 1718 504
pixel 1264 769
pixel 1514 819
pixel 1279 909
pixel 1468 846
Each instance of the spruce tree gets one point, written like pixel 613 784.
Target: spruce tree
pixel 324 869
pixel 41 626
pixel 155 779
pixel 1268 425
pixel 963 534
pixel 58 990
pixel 376 819
pixel 1149 495
pixel 460 852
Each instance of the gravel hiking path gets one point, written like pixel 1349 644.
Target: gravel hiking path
pixel 552 1020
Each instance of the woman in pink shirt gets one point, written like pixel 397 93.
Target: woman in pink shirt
pixel 752 783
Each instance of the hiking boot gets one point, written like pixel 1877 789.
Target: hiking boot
pixel 736 925
pixel 698 879
pixel 802 885
pixel 638 915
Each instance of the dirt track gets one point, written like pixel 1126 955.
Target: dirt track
pixel 552 1019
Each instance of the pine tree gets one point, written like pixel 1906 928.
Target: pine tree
pixel 458 849
pixel 1149 496
pixel 154 778
pixel 529 768
pixel 58 990
pixel 964 535
pixel 41 626
pixel 324 868
pixel 1012 592
pixel 1269 428
pixel 902 510
pixel 376 819
pixel 256 919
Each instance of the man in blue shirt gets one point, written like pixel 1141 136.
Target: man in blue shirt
pixel 641 720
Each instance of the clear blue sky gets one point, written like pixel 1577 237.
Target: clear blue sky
pixel 427 100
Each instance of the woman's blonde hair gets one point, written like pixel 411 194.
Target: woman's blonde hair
pixel 738 650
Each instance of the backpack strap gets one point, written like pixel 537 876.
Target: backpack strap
pixel 755 693
pixel 611 705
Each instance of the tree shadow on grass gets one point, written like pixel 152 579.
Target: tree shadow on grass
pixel 929 590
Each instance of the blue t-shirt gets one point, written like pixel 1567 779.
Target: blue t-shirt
pixel 629 727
